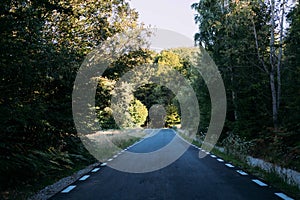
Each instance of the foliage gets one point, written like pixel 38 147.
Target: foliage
pixel 237 146
pixel 172 117
pixel 168 59
pixel 42 45
pixel 260 69
pixel 138 112
pixel 291 74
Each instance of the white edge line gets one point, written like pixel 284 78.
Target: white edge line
pixel 103 164
pixel 110 159
pixel 241 172
pixel 283 196
pixel 84 177
pixel 258 182
pixel 95 169
pixel 68 189
pixel 220 160
pixel 229 165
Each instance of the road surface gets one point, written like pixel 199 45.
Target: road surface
pixel 189 177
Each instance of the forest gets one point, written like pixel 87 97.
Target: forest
pixel 43 43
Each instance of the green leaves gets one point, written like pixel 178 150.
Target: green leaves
pixel 42 45
pixel 138 113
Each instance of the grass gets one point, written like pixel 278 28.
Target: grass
pixel 104 145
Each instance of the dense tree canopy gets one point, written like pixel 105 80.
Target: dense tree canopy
pixel 258 60
pixel 42 45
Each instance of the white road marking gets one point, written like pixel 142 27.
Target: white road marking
pixel 68 189
pixel 213 156
pixel 241 172
pixel 220 160
pixel 115 156
pixel 109 159
pixel 96 169
pixel 119 153
pixel 84 177
pixel 258 182
pixel 207 152
pixel 229 165
pixel 283 196
pixel 122 151
pixel 103 164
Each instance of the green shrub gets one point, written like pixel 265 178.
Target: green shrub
pixel 172 117
pixel 138 112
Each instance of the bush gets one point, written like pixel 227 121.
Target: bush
pixel 172 117
pixel 138 112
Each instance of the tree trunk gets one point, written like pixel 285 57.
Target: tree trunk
pixel 233 94
pixel 280 55
pixel 274 100
pixel 272 63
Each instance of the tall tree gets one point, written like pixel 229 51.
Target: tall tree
pixel 242 36
pixel 291 72
pixel 273 67
pixel 42 45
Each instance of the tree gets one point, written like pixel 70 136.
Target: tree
pixel 239 37
pixel 291 72
pixel 42 45
pixel 172 117
pixel 138 113
pixel 273 67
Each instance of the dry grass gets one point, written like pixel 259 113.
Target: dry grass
pixel 104 144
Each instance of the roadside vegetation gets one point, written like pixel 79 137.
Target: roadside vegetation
pixel 237 156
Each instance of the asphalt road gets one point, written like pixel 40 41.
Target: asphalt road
pixel 189 177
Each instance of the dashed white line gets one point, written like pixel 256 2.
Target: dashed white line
pixel 258 182
pixel 220 160
pixel 103 164
pixel 213 156
pixel 241 172
pixel 109 159
pixel 96 169
pixel 115 156
pixel 84 177
pixel 119 153
pixel 283 196
pixel 229 165
pixel 68 189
